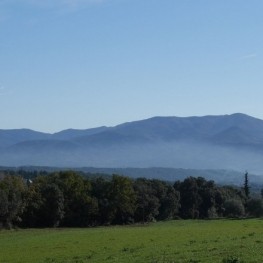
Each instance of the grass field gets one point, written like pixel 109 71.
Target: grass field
pixel 173 241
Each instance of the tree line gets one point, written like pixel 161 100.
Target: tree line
pixel 68 199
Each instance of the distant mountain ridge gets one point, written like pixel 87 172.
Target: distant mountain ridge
pixel 210 142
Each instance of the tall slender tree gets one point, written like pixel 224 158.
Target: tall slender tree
pixel 246 185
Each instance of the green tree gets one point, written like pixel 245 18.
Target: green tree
pixel 62 198
pixel 234 208
pixel 101 191
pixel 147 202
pixel 168 198
pixel 12 189
pixel 246 185
pixel 225 193
pixel 79 206
pixel 207 192
pixel 44 204
pixel 122 199
pixel 255 207
pixel 51 211
pixel 192 191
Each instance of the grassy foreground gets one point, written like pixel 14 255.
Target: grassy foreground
pixel 174 241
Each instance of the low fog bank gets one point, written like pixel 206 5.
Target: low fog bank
pixel 161 154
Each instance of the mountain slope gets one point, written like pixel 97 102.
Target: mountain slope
pixel 210 142
pixel 73 133
pixel 10 137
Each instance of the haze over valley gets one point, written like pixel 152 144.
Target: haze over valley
pixel 232 142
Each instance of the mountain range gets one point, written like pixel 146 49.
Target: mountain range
pixel 210 142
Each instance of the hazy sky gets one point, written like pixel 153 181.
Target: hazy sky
pixel 87 63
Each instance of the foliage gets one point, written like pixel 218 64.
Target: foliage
pixel 44 205
pixel 234 208
pixel 198 197
pixel 11 200
pixel 100 189
pixel 69 199
pixel 147 203
pixel 122 199
pixel 226 193
pixel 246 185
pixel 79 207
pixel 255 207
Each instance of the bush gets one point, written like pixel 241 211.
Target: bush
pixel 255 207
pixel 234 208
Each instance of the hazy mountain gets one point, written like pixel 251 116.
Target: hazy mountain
pixel 210 142
pixel 10 137
pixel 73 133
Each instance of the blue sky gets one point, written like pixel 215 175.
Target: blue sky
pixel 87 63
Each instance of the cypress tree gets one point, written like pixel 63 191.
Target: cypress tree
pixel 246 186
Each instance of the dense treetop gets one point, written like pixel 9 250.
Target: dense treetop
pixel 69 199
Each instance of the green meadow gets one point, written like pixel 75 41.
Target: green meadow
pixel 172 241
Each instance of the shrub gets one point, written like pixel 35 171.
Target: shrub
pixel 234 208
pixel 255 207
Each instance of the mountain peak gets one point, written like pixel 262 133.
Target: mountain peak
pixel 224 141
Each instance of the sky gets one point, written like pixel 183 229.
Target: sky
pixel 88 63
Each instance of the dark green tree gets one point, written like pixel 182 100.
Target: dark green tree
pixel 246 185
pixel 168 199
pixel 101 191
pixel 234 208
pixel 254 207
pixel 12 189
pixel 44 204
pixel 51 211
pixel 207 192
pixel 225 193
pixel 122 199
pixel 190 198
pixel 147 202
pixel 80 208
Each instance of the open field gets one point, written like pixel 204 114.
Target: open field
pixel 173 241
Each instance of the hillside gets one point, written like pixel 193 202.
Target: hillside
pixel 211 142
